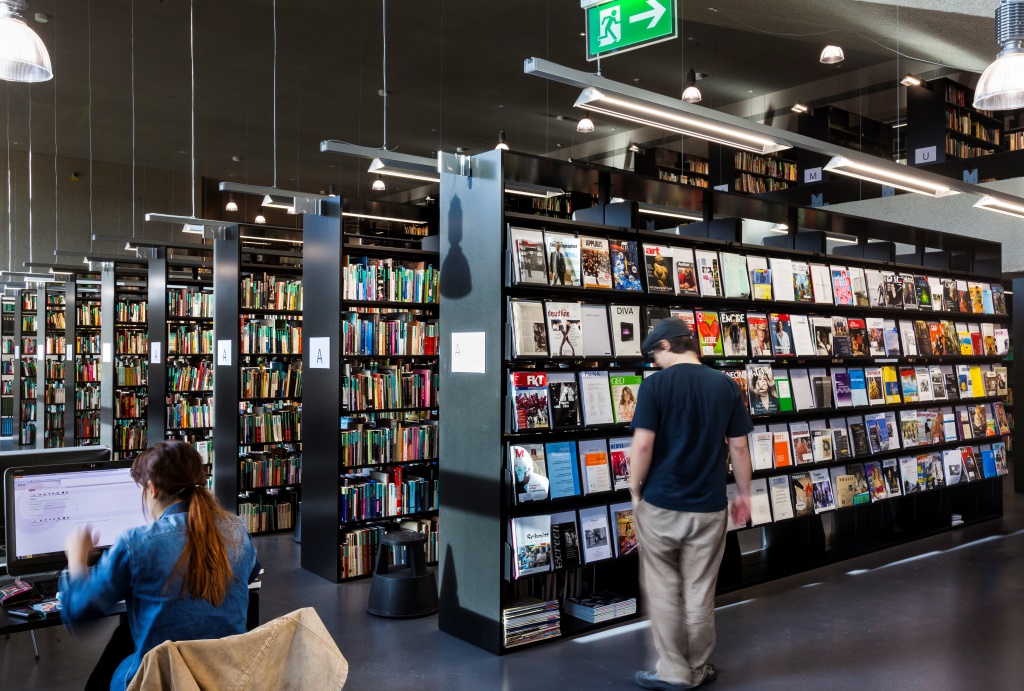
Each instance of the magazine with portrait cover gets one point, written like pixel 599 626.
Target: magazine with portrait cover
pixel 734 333
pixel 782 334
pixel 686 272
pixel 563 259
pixel 564 399
pixel 842 286
pixel 528 256
pixel 529 472
pixel 822 492
pixel 618 450
pixel 624 390
pixel 760 337
pixel 565 331
pixel 761 390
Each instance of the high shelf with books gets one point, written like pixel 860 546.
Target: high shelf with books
pixel 28 384
pixel 862 382
pixel 749 173
pixel 672 166
pixel 85 357
pixel 370 348
pixel 8 369
pixel 940 115
pixel 257 278
pixel 125 345
pixel 181 313
pixel 58 415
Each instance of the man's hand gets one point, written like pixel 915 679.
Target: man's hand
pixel 740 510
pixel 77 546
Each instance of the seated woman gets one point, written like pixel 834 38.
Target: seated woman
pixel 183 577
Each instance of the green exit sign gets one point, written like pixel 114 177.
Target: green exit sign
pixel 615 26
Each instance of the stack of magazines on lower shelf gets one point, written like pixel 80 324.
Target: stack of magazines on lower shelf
pixel 530 620
pixel 599 607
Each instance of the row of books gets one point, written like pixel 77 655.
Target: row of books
pixel 265 291
pixel 693 180
pixel 55 320
pixel 28 368
pixel 271 337
pixel 563 259
pixel 262 424
pixel 189 339
pixel 272 381
pixel 530 620
pixel 388 441
pixel 390 280
pixel 838 439
pixel 600 607
pixel 359 545
pixel 189 414
pixel 28 388
pixel 396 333
pixel 134 311
pixel 87 425
pixel 569 539
pixel 131 371
pixel 87 398
pixel 88 371
pixel 265 470
pixel 55 393
pixel 568 468
pixel 965 124
pixel 574 330
pixel 130 404
pixel 958 96
pixel 186 302
pixel 959 149
pixel 765 165
pixel 28 410
pixel 87 344
pixel 53 369
pixel 53 418
pixel 129 435
pixel 186 377
pixel 29 301
pixel 28 323
pixel 380 494
pixel 817 491
pixel 130 342
pixel 551 400
pixel 55 345
pixel 267 512
pixel 88 314
pixel 754 184
pixel 388 387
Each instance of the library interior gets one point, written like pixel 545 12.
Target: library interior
pixel 649 344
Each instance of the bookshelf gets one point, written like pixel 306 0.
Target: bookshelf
pixel 257 278
pixel 384 447
pixel 844 128
pixel 479 506
pixel 181 309
pixel 86 319
pixel 58 377
pixel 672 166
pixel 8 375
pixel 561 206
pixel 750 173
pixel 939 114
pixel 27 384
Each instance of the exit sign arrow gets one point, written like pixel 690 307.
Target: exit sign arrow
pixel 616 26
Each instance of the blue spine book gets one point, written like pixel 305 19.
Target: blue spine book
pixel 563 469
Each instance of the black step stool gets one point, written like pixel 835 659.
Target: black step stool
pixel 403 591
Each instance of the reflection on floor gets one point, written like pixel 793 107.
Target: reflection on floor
pixel 942 613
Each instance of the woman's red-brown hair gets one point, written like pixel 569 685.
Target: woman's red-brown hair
pixel 176 470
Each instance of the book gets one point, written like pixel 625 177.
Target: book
pixel 964 427
pixel 736 284
pixel 564 400
pixel 952 342
pixel 563 469
pixel 876 336
pixel 859 439
pixel 658 260
pixel 595 532
pixel 909 428
pixel 989 380
pixel 842 386
pixel 999 413
pixel 821 280
pixel 841 444
pixel 594 468
pixel 782 385
pixel 800 435
pixel 624 388
pixel 999 454
pixel 803 288
pixel 596 336
pixel 563 258
pixel 529 400
pixel 760 502
pixel 528 264
pixel 761 389
pixel 801 333
pixel 892 428
pixel 529 472
pixel 908 337
pixel 760 277
pixel 565 331
pixel 978 420
pixel 977 383
pixel 529 329
pixel 781 497
pixel 686 272
pixel 842 286
pixel 938 383
pixel 597 402
pixel 909 286
pixel 875 385
pixel 998 299
pixel 821 388
pixel 709 331
pixel 862 493
pixel 975 290
pixel 803 494
pixel 625 323
pixel 963 377
pixel 908 385
pixel 936 339
pixel 909 475
pixel 893 289
pixel 988 338
pixel 845 488
pixel 971 470
pixel 858 387
pixel 841 345
pixel 891 473
pixel 783 275
pixel 709 274
pixel 734 333
pixel 953 466
pixel 923 337
pixel 780 449
pixel 924 292
pixel 876 288
pixel 762 449
pixel 891 385
pixel 935 288
pixel 625 528
pixel 877 432
pixel 1002 382
pixel 988 464
pixel 782 334
pixel 822 445
pixel 876 481
pixel 924 384
pixel 952 384
pixel 760 340
pixel 565 541
pixel 800 382
pixel 965 298
pixel 892 339
pixel 950 297
pixel 858 337
pixel 821 331
pixel 595 262
pixel 822 492
pixel 618 449
pixel 966 344
pixel 860 287
pixel 532 544
pixel 625 265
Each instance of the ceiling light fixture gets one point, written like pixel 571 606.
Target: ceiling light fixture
pixel 378 185
pixel 192 229
pixel 404 169
pixel 586 125
pixel 911 80
pixel 330 191
pixel 634 148
pixel 691 94
pixel 23 57
pixel 899 125
pixel 1000 207
pixel 882 176
pixel 652 210
pixel 680 121
pixel 372 217
pixel 527 189
pixel 779 228
pixel 231 205
pixel 842 238
pixel 501 141
pixel 832 55
pixel 260 219
pixel 799 108
pixel 277 201
pixel 1001 86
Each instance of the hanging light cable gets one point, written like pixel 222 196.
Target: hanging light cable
pixel 23 57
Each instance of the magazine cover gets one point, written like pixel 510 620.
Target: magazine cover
pixel 624 389
pixel 858 336
pixel 618 448
pixel 734 334
pixel 596 262
pixel 564 399
pixel 563 254
pixel 565 334
pixel 762 390
pixel 842 286
pixel 532 536
pixel 782 335
pixel 760 340
pixel 802 286
pixel 530 472
pixel 686 272
pixel 530 400
pixel 658 260
pixel 528 253
pixel 708 273
pixel 709 330
pixel 625 265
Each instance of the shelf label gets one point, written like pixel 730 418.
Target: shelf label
pixel 722 188
pixel 224 353
pixel 812 175
pixel 616 26
pixel 17 352
pixel 107 353
pixel 468 350
pixel 320 353
pixel 69 352
pixel 154 352
pixel 926 154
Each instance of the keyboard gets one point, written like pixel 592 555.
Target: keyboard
pixel 47 589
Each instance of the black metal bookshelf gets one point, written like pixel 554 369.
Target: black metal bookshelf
pixel 58 373
pixel 84 315
pixel 8 370
pixel 27 384
pixel 940 114
pixel 242 253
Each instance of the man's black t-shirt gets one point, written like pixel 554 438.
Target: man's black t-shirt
pixel 691 409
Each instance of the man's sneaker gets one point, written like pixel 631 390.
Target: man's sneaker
pixel 710 674
pixel 650 680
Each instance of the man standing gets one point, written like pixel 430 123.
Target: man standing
pixel 684 415
pixel 556 265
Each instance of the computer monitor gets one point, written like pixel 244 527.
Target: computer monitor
pixel 44 504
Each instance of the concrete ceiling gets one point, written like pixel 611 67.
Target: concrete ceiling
pixel 454 73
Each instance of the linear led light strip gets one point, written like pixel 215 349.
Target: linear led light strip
pixel 1000 207
pixel 385 218
pixel 910 183
pixel 671 214
pixel 427 172
pixel 595 100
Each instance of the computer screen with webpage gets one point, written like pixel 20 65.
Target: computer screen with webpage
pixel 45 504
